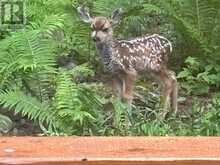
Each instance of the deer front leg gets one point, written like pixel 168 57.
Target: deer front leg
pixel 128 85
pixel 128 80
pixel 117 85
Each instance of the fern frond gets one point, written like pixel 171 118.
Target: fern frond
pixel 33 51
pixel 82 70
pixel 27 106
pixel 199 13
pixel 122 116
pixel 5 124
pixel 49 25
pixel 74 103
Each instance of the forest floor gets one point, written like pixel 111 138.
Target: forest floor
pixel 24 127
pixel 21 126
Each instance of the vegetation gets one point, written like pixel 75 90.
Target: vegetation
pixel 50 72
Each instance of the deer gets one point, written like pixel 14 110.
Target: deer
pixel 125 59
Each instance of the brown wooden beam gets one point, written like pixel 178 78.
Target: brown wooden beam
pixel 110 150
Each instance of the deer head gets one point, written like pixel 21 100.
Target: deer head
pixel 102 27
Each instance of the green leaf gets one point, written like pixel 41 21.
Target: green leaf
pixel 5 124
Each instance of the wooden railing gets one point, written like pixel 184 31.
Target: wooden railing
pixel 110 150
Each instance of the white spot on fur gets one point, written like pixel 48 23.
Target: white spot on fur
pixel 131 50
pixel 169 43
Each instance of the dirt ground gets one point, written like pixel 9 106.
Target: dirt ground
pixel 20 125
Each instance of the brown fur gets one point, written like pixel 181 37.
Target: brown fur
pixel 100 23
pixel 148 53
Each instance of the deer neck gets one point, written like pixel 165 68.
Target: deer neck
pixel 105 48
pixel 105 52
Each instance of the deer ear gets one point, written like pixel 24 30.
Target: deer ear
pixel 116 16
pixel 84 14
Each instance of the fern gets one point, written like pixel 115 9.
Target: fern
pixel 27 106
pixel 199 13
pixel 122 117
pixel 82 70
pixel 5 124
pixel 32 84
pixel 74 103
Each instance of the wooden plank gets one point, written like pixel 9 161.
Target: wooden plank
pixel 110 150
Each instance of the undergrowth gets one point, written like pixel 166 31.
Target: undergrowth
pixel 50 73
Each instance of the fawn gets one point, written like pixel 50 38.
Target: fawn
pixel 124 59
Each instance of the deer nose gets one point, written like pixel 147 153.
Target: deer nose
pixel 95 38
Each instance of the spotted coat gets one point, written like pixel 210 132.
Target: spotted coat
pixel 143 53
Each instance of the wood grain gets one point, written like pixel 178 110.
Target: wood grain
pixel 110 150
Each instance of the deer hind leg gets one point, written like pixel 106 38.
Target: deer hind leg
pixel 169 82
pixel 174 94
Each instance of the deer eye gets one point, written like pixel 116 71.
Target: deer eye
pixel 105 30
